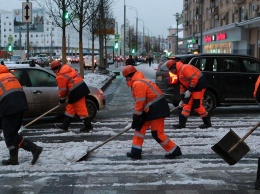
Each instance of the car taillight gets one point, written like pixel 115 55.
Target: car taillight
pixel 173 78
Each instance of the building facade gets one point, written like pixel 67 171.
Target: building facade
pixel 44 36
pixel 223 26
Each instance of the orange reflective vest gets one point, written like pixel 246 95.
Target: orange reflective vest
pixel 8 82
pixel 71 84
pixel 12 96
pixel 148 98
pixel 189 77
pixel 256 86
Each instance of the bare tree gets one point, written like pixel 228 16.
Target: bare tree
pixel 56 10
pixel 102 29
pixel 84 11
pixel 91 33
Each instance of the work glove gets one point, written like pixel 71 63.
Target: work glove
pixel 187 94
pixel 138 122
pixel 62 101
pixel 180 104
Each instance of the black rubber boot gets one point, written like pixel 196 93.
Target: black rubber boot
pixel 257 182
pixel 134 156
pixel 87 126
pixel 13 160
pixel 32 147
pixel 65 125
pixel 182 122
pixel 177 152
pixel 207 122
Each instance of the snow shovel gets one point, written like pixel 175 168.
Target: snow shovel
pixel 33 121
pixel 85 157
pixel 175 108
pixel 231 147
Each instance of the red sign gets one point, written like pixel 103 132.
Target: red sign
pixel 221 36
pixel 207 38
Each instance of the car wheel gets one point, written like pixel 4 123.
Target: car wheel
pixel 209 101
pixel 92 109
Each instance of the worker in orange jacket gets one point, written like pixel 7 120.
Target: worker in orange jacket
pixel 13 103
pixel 193 85
pixel 256 93
pixel 72 86
pixel 150 110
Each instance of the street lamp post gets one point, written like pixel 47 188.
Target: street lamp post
pixel 133 8
pixel 124 26
pixel 51 52
pixel 177 17
pixel 201 20
pixel 143 36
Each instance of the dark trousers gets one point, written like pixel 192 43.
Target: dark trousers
pixel 11 125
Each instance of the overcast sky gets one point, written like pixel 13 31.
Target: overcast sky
pixel 156 14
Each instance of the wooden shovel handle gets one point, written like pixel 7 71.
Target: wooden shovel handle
pixel 244 137
pixel 33 121
pixel 175 108
pixel 111 138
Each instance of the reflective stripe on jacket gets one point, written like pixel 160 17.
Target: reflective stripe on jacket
pixel 148 98
pixel 71 84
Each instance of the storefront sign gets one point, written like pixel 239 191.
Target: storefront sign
pixel 217 37
pixel 221 36
pixel 193 40
pixel 207 39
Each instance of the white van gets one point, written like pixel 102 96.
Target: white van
pixel 88 61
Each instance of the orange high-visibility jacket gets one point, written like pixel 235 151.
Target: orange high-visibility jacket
pixel 71 84
pixel 8 82
pixel 12 96
pixel 189 76
pixel 256 86
pixel 148 98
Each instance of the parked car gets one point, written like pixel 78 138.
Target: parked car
pixel 41 91
pixel 231 79
pixel 74 59
pixel 88 61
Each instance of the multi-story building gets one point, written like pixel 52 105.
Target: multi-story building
pixel 223 26
pixel 44 36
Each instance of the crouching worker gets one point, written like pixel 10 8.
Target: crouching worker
pixel 193 85
pixel 71 85
pixel 13 103
pixel 150 110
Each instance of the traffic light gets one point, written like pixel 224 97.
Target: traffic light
pixel 10 48
pixel 116 45
pixel 66 15
pixel 133 51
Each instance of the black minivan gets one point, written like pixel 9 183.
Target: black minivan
pixel 231 79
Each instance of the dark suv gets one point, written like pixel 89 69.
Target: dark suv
pixel 231 79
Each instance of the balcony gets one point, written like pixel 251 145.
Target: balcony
pixel 197 17
pixel 238 1
pixel 185 7
pixel 213 10
pixel 197 2
pixel 185 23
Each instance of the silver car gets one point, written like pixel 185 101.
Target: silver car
pixel 41 91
